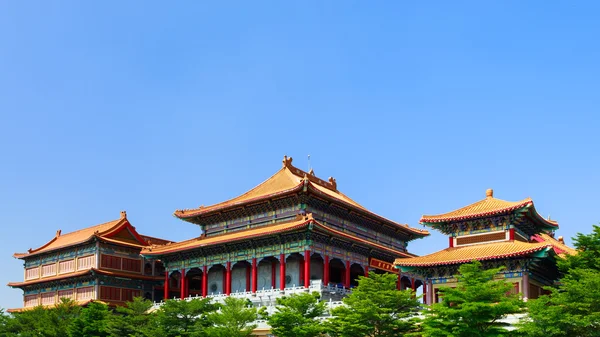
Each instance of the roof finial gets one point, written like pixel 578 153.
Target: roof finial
pixel 489 193
pixel 287 162
pixel 333 182
pixel 309 166
pixel 561 240
pixel 123 214
pixel 58 233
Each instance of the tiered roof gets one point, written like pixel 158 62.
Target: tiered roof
pixel 108 232
pixel 488 251
pixel 488 207
pixel 290 180
pixel 300 223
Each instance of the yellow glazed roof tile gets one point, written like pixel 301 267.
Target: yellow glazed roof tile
pixel 487 207
pixel 288 179
pixel 465 254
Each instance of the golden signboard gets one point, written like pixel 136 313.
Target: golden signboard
pixel 382 265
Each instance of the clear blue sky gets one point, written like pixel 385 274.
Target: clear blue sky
pixel 414 107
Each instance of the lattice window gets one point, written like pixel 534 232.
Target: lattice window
pixel 109 261
pixel 32 273
pixel 70 294
pixel 31 301
pixel 110 293
pixel 480 238
pixel 129 294
pixel 49 270
pixel 48 298
pixel 86 262
pixel 86 293
pixel 66 266
pixel 132 265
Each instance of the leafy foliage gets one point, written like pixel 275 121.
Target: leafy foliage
pixel 474 307
pixel 296 316
pixel 183 318
pixel 132 320
pixel 375 308
pixel 233 319
pixel 572 309
pixel 91 322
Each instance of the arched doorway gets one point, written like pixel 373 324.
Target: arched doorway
pixel 194 282
pixel 356 270
pixel 216 279
pixel 294 263
pixel 337 272
pixel 240 277
pixel 316 267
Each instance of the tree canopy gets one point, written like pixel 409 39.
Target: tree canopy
pixel 475 307
pixel 375 308
pixel 572 308
pixel 296 316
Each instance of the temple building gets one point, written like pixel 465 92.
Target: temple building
pixel 102 262
pixel 293 231
pixel 497 233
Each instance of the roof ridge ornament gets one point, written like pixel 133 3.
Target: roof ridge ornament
pixel 489 193
pixel 333 182
pixel 58 233
pixel 123 214
pixel 287 162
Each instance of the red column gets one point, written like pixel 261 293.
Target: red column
pixel 326 270
pixel 450 242
pixel 399 282
pixel 306 268
pixel 182 284
pixel 366 271
pixel 511 234
pixel 166 294
pixel 204 281
pixel 412 284
pixel 347 281
pixel 248 276
pixel 425 292
pixel 254 275
pixel 282 271
pixel 273 274
pixel 228 278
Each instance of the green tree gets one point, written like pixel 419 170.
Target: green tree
pixel 375 308
pixel 233 319
pixel 34 322
pixel 474 307
pixel 573 308
pixel 92 321
pixel 131 320
pixel 182 318
pixel 296 316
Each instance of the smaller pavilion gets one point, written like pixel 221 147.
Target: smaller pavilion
pixel 497 233
pixel 101 262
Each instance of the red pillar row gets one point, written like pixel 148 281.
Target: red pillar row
pixel 306 268
pixel 282 271
pixel 182 284
pixel 254 275
pixel 204 281
pixel 166 294
pixel 326 270
pixel 347 279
